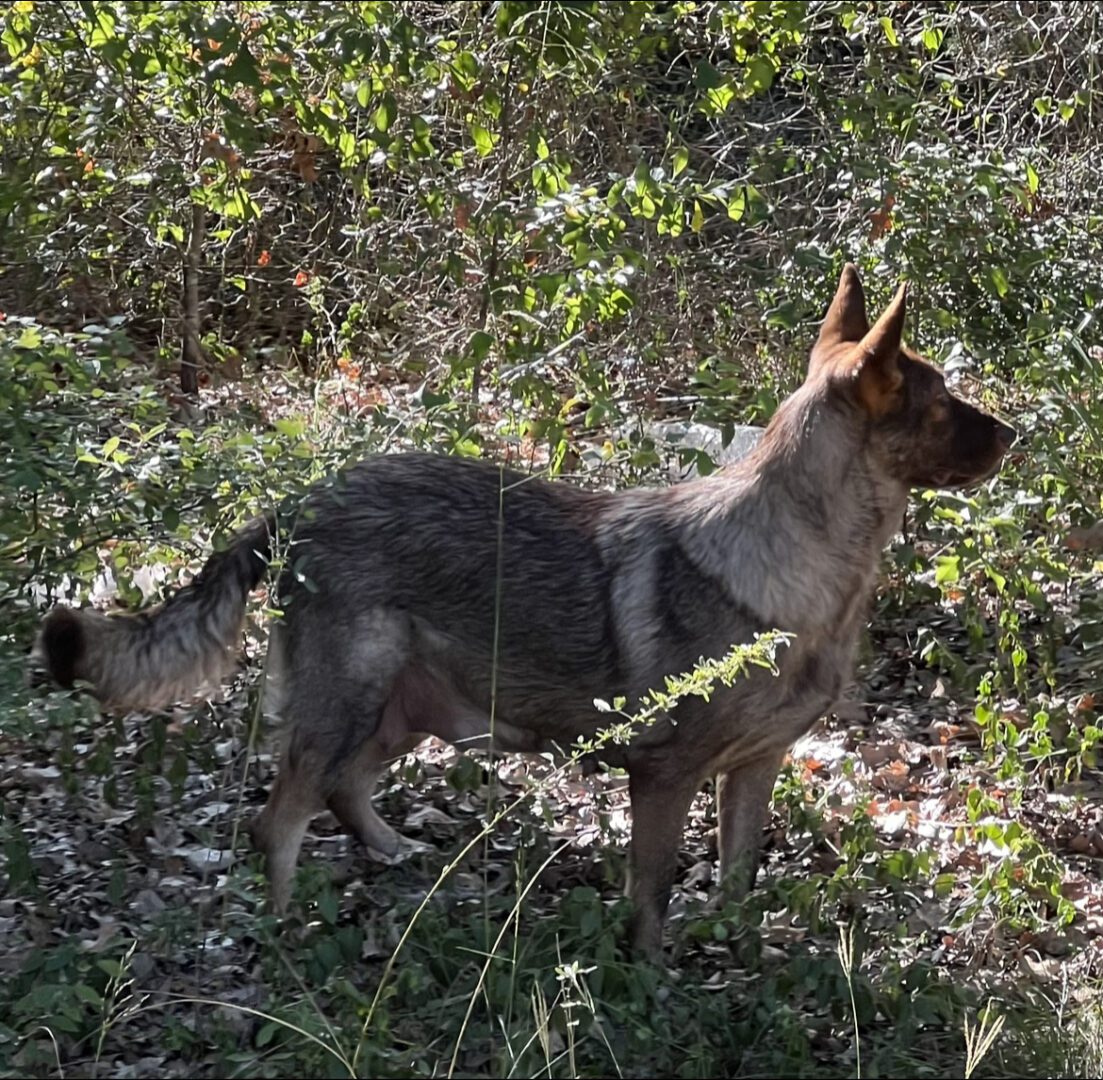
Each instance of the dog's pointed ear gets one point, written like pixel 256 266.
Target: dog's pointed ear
pixel 875 364
pixel 845 320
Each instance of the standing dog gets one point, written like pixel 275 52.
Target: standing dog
pixel 431 593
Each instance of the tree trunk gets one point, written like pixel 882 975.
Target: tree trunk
pixel 191 351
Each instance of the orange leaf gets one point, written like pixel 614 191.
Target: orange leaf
pixel 881 220
pixel 264 258
pixel 89 165
pixel 301 278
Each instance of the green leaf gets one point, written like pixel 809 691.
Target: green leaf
pixel 385 113
pixel 328 907
pixel 346 146
pixel 1031 179
pixel 706 77
pixel 363 95
pixel 30 338
pixel 88 995
pixel 681 159
pixel 697 222
pixel 111 968
pixel 422 141
pixel 478 346
pixel 243 71
pixel 890 30
pixel 104 31
pixel 484 141
pixel 240 205
pixel 1000 281
pixel 14 43
pixel 737 205
pixel 948 569
pixel 932 38
pixel 110 446
pixel 292 427
pixel 760 74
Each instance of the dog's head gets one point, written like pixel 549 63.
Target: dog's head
pixel 922 434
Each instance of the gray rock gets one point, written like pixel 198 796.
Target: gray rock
pixel 672 435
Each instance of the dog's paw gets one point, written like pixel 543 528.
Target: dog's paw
pixel 402 849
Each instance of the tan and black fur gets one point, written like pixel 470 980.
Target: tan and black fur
pixel 413 578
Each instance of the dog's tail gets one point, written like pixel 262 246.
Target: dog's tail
pixel 151 658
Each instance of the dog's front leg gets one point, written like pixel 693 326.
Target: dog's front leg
pixel 659 809
pixel 743 805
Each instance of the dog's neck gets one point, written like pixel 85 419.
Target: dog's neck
pixel 806 518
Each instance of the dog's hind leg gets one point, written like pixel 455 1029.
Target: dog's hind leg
pixel 351 799
pixel 279 829
pixel 338 680
pixel 743 804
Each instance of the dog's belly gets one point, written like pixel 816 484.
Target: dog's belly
pixel 450 697
pixel 423 701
